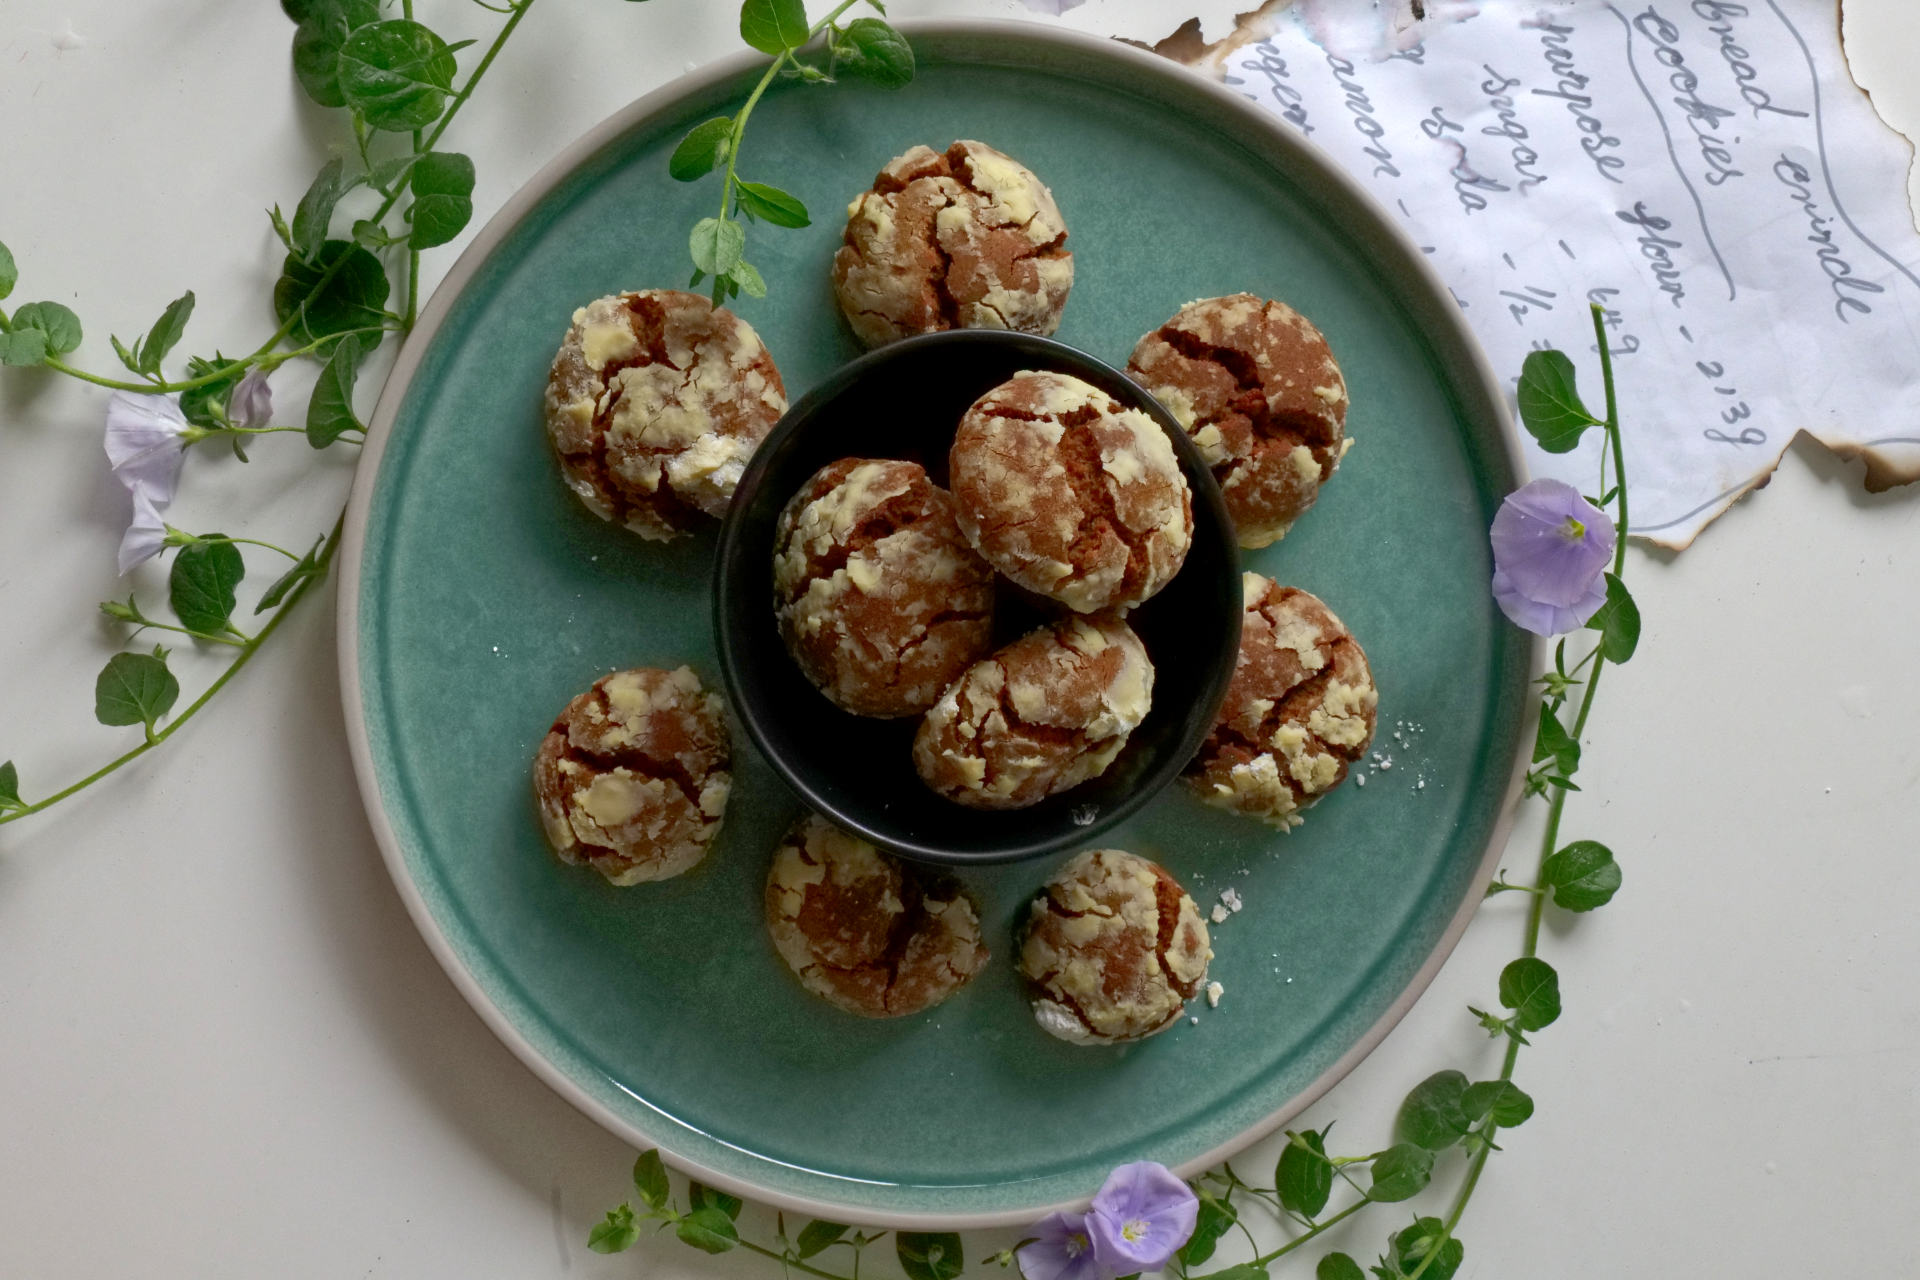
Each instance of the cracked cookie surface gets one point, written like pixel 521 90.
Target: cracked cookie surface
pixel 1113 949
pixel 1257 387
pixel 1300 710
pixel 654 404
pixel 632 780
pixel 865 931
pixel 1069 493
pixel 968 239
pixel 1043 715
pixel 879 598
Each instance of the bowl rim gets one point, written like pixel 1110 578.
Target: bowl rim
pixel 729 571
pixel 1262 129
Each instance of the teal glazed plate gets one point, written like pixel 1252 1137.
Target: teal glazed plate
pixel 478 595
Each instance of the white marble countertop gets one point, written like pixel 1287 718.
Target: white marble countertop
pixel 225 1052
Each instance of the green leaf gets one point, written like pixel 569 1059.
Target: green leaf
pixel 201 587
pixel 1401 1172
pixel 9 776
pixel 134 688
pixel 308 566
pixel 1214 1218
pixel 389 173
pixel 442 198
pixel 1338 1266
pixel 330 412
pixel 1431 1116
pixel 9 273
pixel 704 147
pixel 199 403
pixel 58 323
pixel 616 1233
pixel 1304 1178
pixel 324 27
pixel 1551 741
pixel 774 26
pixel 930 1255
pixel 23 348
pixel 818 1235
pixel 771 204
pixel 1504 1100
pixel 1617 621
pixel 1408 1248
pixel 650 1180
pixel 875 51
pixel 1550 407
pixel 1583 875
pixel 716 245
pixel 314 214
pixel 708 1229
pixel 1531 988
pixel 701 1196
pixel 398 74
pixel 165 334
pixel 746 278
pixel 355 298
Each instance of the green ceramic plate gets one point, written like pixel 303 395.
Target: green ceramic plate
pixel 479 595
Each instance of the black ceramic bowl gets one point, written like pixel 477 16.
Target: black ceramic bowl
pixel 905 401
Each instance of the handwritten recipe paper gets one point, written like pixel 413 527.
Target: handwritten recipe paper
pixel 1705 170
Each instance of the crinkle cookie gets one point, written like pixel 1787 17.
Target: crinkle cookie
pixel 1069 493
pixel 632 779
pixel 655 402
pixel 1113 949
pixel 966 240
pixel 1299 711
pixel 1045 714
pixel 1258 389
pixel 876 936
pixel 881 601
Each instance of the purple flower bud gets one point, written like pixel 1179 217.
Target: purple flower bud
pixel 251 404
pixel 145 536
pixel 1140 1219
pixel 146 443
pixel 1551 548
pixel 1060 1250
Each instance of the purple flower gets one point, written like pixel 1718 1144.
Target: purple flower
pixel 1054 7
pixel 1060 1250
pixel 251 404
pixel 1140 1219
pixel 1550 549
pixel 146 535
pixel 146 443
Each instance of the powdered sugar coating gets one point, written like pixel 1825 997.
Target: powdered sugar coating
pixel 632 779
pixel 1043 715
pixel 871 934
pixel 965 240
pixel 1069 493
pixel 1300 710
pixel 1113 949
pixel 1256 386
pixel 654 404
pixel 881 601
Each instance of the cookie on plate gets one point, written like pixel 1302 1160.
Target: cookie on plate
pixel 1043 715
pixel 1257 387
pixel 1300 710
pixel 968 239
pixel 1113 949
pixel 654 404
pixel 865 931
pixel 881 601
pixel 632 779
pixel 1069 493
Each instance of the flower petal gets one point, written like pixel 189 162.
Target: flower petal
pixel 1059 1250
pixel 1545 619
pixel 146 443
pixel 146 534
pixel 1534 543
pixel 1141 1218
pixel 251 404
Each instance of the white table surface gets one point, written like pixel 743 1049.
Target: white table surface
pixel 225 1052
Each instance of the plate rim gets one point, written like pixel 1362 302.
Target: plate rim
pixel 565 163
